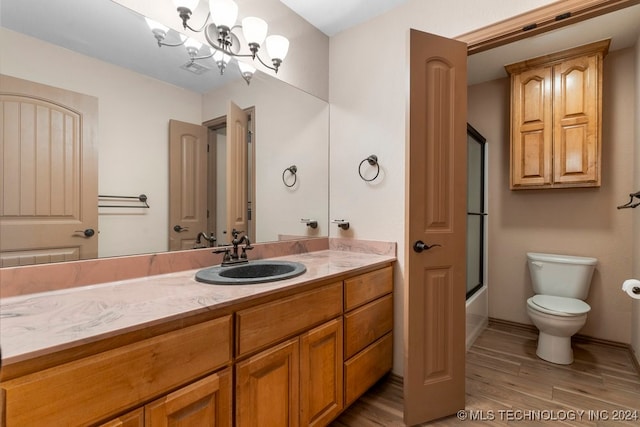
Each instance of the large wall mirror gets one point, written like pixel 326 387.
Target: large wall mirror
pixel 104 50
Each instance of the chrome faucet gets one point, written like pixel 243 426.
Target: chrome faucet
pixel 231 256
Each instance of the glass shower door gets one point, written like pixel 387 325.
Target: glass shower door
pixel 475 209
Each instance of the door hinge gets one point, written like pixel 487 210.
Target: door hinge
pixel 249 139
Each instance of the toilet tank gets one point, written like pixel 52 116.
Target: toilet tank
pixel 561 275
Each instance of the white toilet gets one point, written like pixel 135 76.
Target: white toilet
pixel 561 283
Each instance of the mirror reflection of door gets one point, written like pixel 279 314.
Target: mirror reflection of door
pixel 187 184
pixel 49 180
pixel 237 164
pixel 211 179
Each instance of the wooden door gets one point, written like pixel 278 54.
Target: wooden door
pixel 205 403
pixel 237 161
pixel 187 184
pixel 268 389
pixel 49 179
pixel 531 127
pixel 434 321
pixel 321 379
pixel 577 84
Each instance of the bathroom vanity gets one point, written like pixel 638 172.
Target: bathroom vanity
pixel 166 348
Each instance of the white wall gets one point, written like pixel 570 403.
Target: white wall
pixel 581 221
pixel 368 93
pixel 291 128
pixel 133 117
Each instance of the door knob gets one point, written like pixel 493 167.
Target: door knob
pixel 420 246
pixel 87 233
pixel 179 229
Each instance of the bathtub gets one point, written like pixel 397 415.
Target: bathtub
pixel 477 315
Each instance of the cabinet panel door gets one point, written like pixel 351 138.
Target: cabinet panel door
pixel 268 387
pixel 365 368
pixel 532 128
pixel 268 323
pixel 205 403
pixel 321 374
pixel 366 324
pixel 366 287
pixel 131 419
pixel 123 377
pixel 577 120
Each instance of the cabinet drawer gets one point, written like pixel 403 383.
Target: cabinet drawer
pixel 91 389
pixel 268 323
pixel 364 369
pixel 366 324
pixel 367 287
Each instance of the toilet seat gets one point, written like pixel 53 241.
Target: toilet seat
pixel 558 306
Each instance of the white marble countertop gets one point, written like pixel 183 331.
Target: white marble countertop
pixel 44 323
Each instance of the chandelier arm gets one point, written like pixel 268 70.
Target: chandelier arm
pixel 263 63
pixel 172 44
pixel 206 21
pixel 228 52
pixel 197 58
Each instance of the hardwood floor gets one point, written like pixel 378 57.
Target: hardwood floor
pixel 507 384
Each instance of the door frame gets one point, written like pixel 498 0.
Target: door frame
pixel 544 18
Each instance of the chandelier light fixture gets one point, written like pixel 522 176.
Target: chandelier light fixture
pixel 220 31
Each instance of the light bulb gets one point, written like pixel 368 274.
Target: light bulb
pixel 220 56
pixel 193 44
pixel 254 30
pixel 277 46
pixel 223 12
pixel 246 70
pixel 246 67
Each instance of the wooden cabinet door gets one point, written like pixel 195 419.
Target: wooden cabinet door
pixel 532 128
pixel 204 403
pixel 130 419
pixel 321 390
pixel 577 120
pixel 267 387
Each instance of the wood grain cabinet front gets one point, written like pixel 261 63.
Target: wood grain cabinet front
pixel 268 323
pixel 556 115
pixel 205 403
pixel 368 322
pixel 297 382
pixel 94 388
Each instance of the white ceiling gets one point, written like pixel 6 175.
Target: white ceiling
pixel 89 29
pixel 333 16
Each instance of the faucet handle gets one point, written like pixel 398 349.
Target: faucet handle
pixel 226 251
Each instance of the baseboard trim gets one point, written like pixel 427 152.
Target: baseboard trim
pixel 577 338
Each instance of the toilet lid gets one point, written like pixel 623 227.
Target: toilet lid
pixel 561 304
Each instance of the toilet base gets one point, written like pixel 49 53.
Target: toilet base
pixel 555 349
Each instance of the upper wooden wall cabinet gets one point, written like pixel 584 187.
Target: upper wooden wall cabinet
pixel 556 110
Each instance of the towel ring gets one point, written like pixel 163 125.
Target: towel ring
pixel 373 161
pixel 293 170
